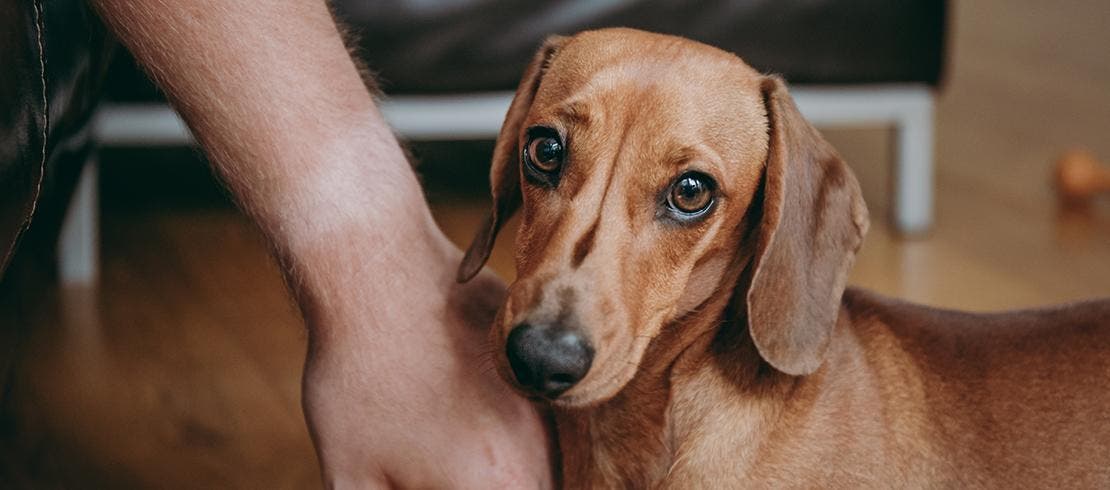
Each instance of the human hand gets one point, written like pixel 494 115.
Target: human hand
pixel 396 391
pixel 405 395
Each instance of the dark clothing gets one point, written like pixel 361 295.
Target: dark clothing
pixel 53 55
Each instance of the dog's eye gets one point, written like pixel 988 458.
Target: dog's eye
pixel 545 153
pixel 691 195
pixel 543 156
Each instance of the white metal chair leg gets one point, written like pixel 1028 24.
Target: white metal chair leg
pixel 909 107
pixel 78 242
pixel 913 175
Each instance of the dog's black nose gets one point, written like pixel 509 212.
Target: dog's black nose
pixel 548 359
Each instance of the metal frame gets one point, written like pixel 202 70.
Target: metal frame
pixel 908 108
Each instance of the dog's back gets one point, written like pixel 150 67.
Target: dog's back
pixel 1020 397
pixel 911 396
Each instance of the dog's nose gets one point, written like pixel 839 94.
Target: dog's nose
pixel 548 359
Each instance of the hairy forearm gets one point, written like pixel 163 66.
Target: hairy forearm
pixel 282 113
pixel 394 387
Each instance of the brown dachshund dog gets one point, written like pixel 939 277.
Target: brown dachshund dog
pixel 681 304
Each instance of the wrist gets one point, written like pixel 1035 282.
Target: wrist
pixel 351 224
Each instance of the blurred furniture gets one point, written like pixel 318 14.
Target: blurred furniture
pixel 450 66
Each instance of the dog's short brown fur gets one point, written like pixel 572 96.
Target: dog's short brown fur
pixel 728 352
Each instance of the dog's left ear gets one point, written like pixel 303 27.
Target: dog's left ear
pixel 813 222
pixel 505 167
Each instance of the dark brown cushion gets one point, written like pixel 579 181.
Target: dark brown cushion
pixel 451 46
pixel 477 45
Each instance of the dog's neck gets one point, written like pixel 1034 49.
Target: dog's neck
pixel 628 440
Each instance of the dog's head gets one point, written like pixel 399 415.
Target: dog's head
pixel 650 171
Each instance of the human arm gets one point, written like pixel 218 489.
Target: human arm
pixel 394 391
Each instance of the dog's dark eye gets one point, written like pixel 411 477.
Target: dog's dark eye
pixel 546 153
pixel 543 156
pixel 691 195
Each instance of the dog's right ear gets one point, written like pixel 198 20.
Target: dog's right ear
pixel 813 221
pixel 505 169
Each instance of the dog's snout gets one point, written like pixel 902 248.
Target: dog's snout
pixel 548 359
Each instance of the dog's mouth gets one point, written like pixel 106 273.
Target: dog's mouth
pixel 564 350
pixel 547 359
pixel 610 371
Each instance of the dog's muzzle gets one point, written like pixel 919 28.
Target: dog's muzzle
pixel 548 360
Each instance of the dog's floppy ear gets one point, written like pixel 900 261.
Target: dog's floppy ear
pixel 505 168
pixel 813 222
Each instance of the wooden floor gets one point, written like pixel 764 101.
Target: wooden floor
pixel 182 368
